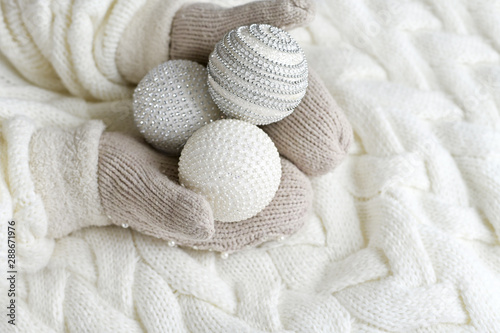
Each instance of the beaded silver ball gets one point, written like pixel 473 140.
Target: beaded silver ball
pixel 235 165
pixel 171 102
pixel 257 73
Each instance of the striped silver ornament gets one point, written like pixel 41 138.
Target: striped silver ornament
pixel 257 73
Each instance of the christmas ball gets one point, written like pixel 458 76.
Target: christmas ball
pixel 235 165
pixel 171 102
pixel 257 73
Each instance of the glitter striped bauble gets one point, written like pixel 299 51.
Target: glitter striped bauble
pixel 171 102
pixel 235 165
pixel 257 73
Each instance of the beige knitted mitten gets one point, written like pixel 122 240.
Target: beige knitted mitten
pixel 317 135
pixel 135 190
pixel 139 187
pixel 196 28
pixel 282 217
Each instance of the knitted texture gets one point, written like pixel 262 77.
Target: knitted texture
pixel 403 235
pixel 49 151
pixel 144 43
pixel 213 21
pixel 317 135
pixel 134 191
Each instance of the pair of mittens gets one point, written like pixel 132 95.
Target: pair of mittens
pixel 139 186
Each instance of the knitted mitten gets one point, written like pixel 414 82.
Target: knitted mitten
pixel 139 186
pixel 135 190
pixel 156 32
pixel 196 28
pixel 63 165
pixel 284 216
pixel 317 135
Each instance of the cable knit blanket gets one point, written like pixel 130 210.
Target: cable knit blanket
pixel 403 236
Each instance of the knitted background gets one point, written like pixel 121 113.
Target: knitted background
pixel 403 236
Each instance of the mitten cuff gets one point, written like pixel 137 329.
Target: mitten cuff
pixel 145 42
pixel 64 168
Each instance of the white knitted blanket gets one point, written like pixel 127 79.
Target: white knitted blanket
pixel 403 236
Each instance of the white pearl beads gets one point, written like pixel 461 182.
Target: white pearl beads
pixel 257 73
pixel 235 165
pixel 171 102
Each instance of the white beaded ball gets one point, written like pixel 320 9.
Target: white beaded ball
pixel 235 165
pixel 257 73
pixel 171 102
